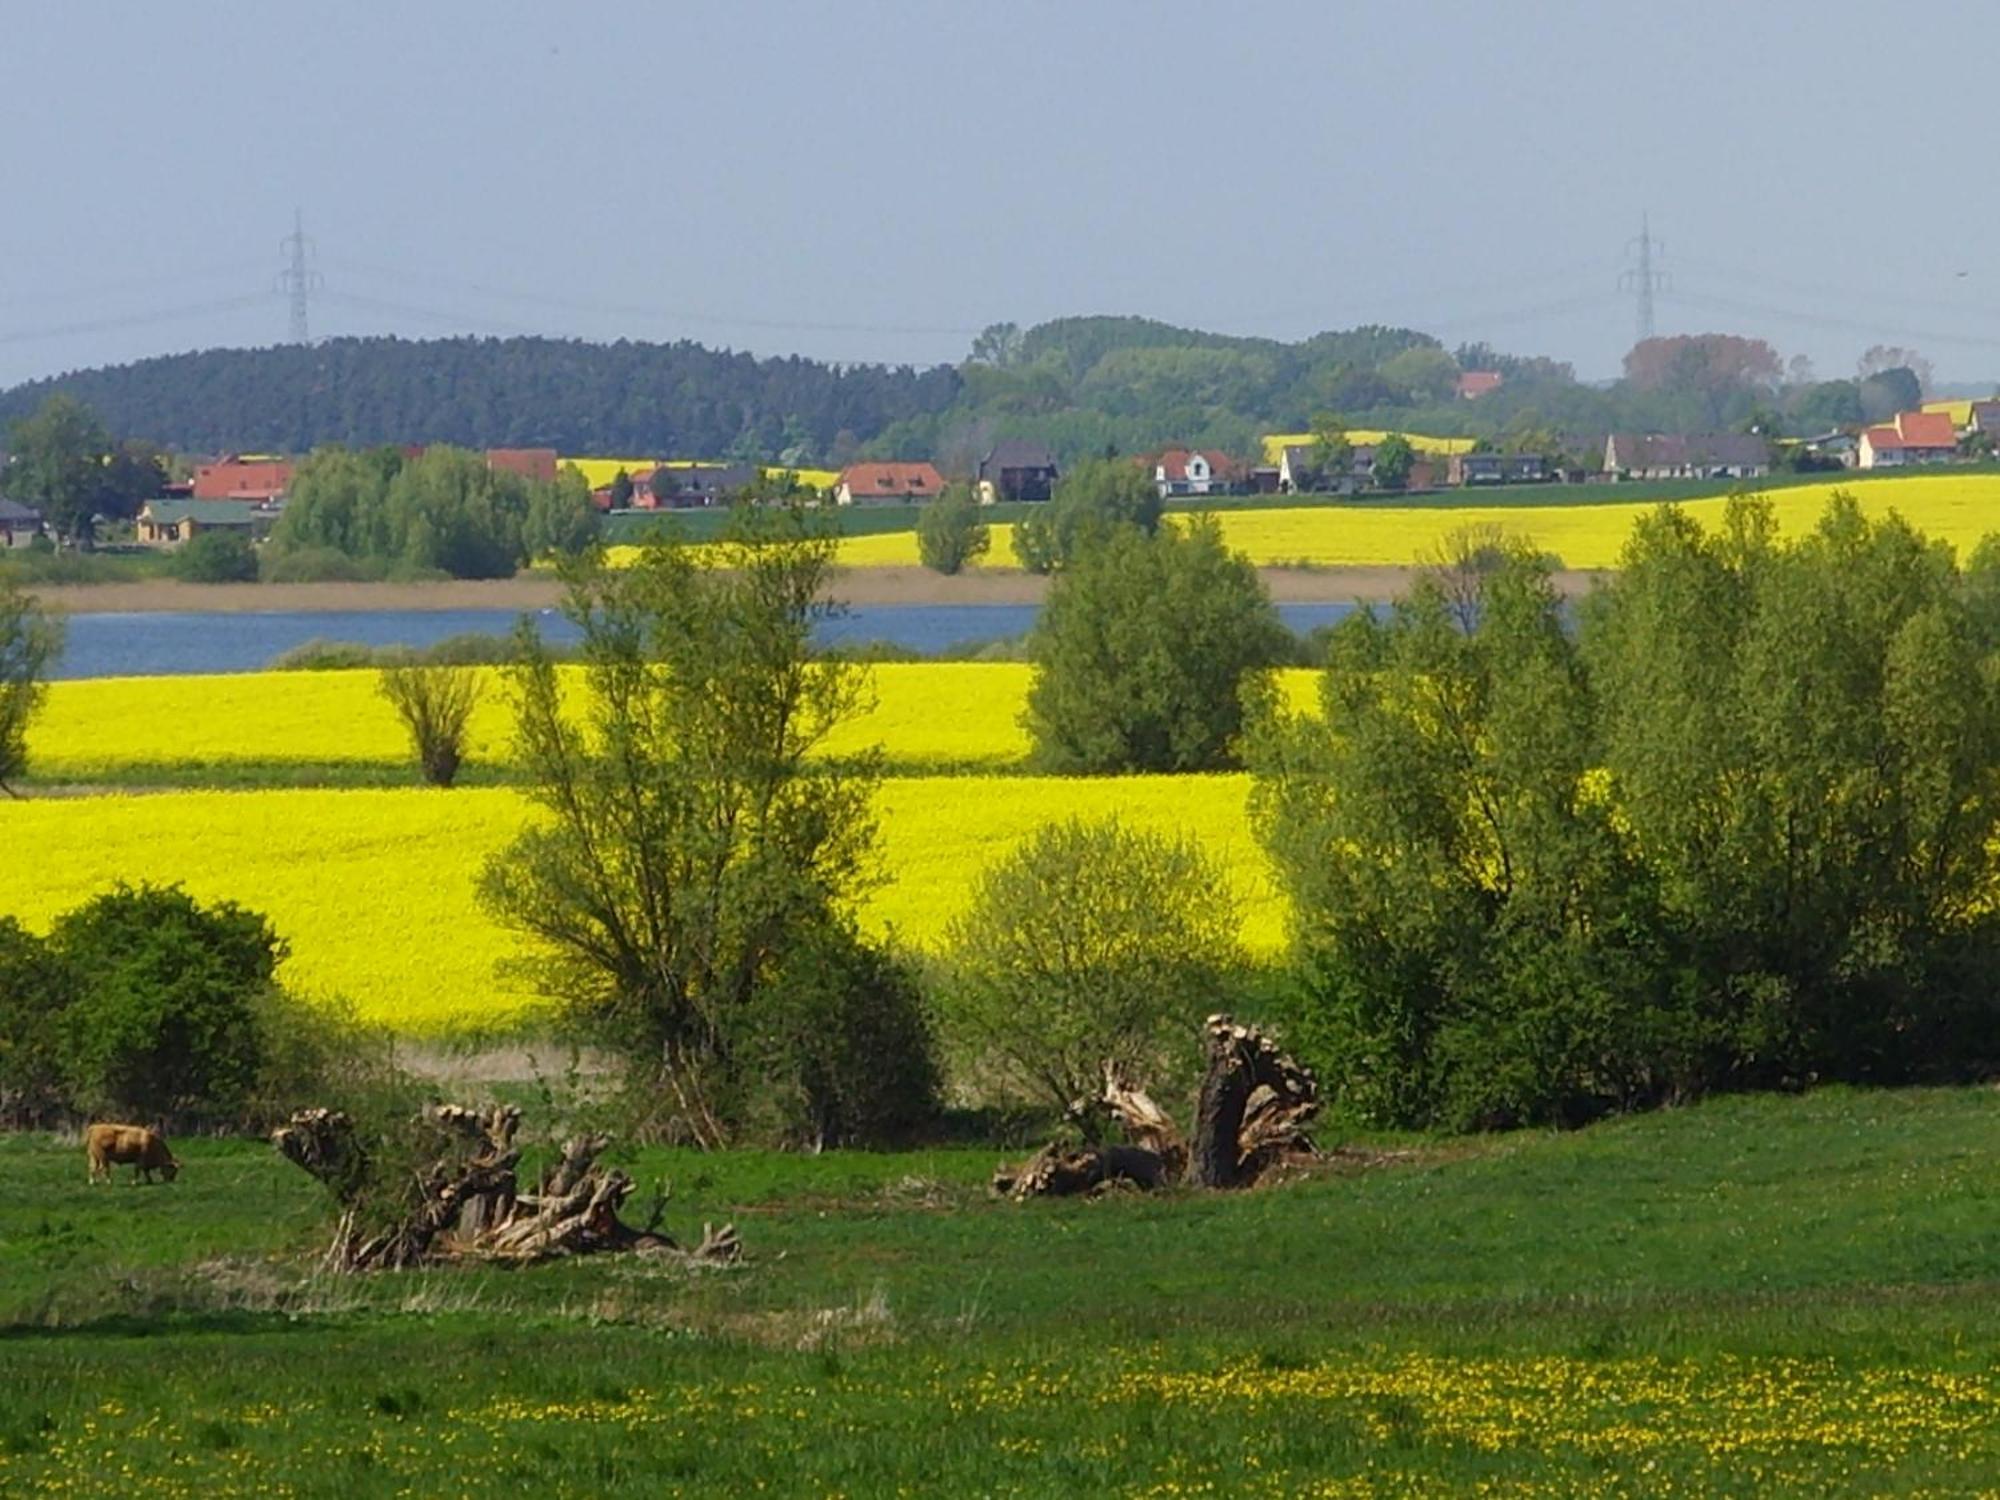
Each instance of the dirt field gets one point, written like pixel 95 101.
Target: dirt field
pixel 875 586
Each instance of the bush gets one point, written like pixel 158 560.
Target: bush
pixel 35 989
pixel 216 557
pixel 317 565
pixel 1097 496
pixel 30 638
pixel 1091 943
pixel 840 1050
pixel 1143 650
pixel 164 1020
pixel 950 533
pixel 435 704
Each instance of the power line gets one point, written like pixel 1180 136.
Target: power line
pixel 128 320
pixel 1835 322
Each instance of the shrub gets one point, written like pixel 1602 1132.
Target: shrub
pixel 1091 943
pixel 950 533
pixel 35 989
pixel 839 1047
pixel 216 557
pixel 164 1021
pixel 317 565
pixel 435 704
pixel 29 640
pixel 1143 650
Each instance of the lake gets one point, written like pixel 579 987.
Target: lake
pixel 167 645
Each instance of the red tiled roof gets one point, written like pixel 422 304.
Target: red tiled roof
pixel 1882 437
pixel 892 479
pixel 1476 383
pixel 1173 463
pixel 1926 429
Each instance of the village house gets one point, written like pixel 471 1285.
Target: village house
pixel 1913 437
pixel 19 524
pixel 262 481
pixel 887 484
pixel 1301 473
pixel 168 523
pixel 687 486
pixel 1698 455
pixel 1984 417
pixel 1016 469
pixel 1196 471
pixel 1470 469
pixel 1472 384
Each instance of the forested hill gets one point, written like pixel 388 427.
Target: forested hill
pixel 488 393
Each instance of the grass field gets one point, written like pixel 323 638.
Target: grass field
pixel 334 728
pixel 1754 1296
pixel 358 881
pixel 1955 508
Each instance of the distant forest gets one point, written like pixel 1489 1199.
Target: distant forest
pixel 1082 385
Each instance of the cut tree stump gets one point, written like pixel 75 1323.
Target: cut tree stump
pixel 466 1205
pixel 1254 1109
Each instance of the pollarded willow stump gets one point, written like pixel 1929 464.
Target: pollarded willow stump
pixel 1255 1106
pixel 467 1203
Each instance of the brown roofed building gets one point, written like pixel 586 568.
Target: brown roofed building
pixel 535 464
pixel 1914 437
pixel 261 480
pixel 887 484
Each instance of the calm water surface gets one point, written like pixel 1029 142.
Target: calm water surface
pixel 163 645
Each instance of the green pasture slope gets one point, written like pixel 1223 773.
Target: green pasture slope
pixel 1754 1295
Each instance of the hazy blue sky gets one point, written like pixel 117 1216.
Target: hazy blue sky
pixel 874 181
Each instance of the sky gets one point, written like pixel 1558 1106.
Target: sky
pixel 876 182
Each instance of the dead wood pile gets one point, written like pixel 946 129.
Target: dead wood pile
pixel 1255 1106
pixel 464 1202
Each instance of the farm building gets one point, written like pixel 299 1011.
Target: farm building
pixel 1498 468
pixel 682 486
pixel 1196 471
pixel 534 464
pixel 262 481
pixel 1914 437
pixel 887 484
pixel 1016 469
pixel 1697 455
pixel 1472 384
pixel 19 524
pixel 168 523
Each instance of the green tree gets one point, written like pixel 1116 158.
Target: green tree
pixel 217 557
pixel 691 836
pixel 621 491
pixel 56 464
pixel 1096 495
pixel 950 532
pixel 1472 939
pixel 1394 459
pixel 165 1016
pixel 562 519
pixel 1091 943
pixel 1144 649
pixel 1332 453
pixel 449 511
pixel 35 989
pixel 30 639
pixel 435 703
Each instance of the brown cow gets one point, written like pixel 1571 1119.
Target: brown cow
pixel 134 1145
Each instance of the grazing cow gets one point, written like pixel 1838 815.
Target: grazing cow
pixel 144 1150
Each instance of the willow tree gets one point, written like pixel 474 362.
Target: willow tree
pixel 691 848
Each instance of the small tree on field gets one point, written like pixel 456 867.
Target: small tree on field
pixel 1092 943
pixel 1143 652
pixel 35 989
pixel 694 841
pixel 29 640
pixel 435 704
pixel 950 533
pixel 1394 459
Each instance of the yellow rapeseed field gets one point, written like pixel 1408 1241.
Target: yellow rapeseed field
pixel 1276 443
pixel 375 890
pixel 926 716
pixel 1957 508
